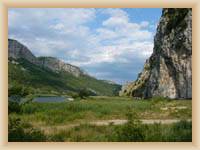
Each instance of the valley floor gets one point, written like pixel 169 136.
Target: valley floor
pixel 80 119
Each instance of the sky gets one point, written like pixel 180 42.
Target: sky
pixel 107 43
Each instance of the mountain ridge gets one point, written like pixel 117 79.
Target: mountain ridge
pixel 18 50
pixel 51 74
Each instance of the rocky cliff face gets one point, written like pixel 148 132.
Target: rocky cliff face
pixel 168 72
pixel 18 50
pixel 57 65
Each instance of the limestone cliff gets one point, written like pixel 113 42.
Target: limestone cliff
pixel 18 50
pixel 58 65
pixel 168 72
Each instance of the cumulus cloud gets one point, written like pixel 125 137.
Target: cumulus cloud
pixel 69 34
pixel 144 24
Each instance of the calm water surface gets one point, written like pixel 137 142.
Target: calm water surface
pixel 50 99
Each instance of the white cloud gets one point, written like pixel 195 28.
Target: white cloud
pixel 119 28
pixel 117 53
pixel 65 33
pixel 106 34
pixel 63 26
pixel 115 21
pixel 58 26
pixel 115 12
pixel 144 24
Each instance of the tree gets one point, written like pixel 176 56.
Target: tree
pixel 20 90
pixel 83 93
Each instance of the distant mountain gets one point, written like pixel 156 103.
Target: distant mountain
pixel 57 65
pixel 108 81
pixel 51 74
pixel 18 50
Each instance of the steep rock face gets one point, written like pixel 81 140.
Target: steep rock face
pixel 168 72
pixel 18 50
pixel 58 65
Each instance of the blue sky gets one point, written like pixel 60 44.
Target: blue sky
pixel 110 43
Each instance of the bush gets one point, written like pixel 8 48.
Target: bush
pixel 176 132
pixel 20 90
pixel 182 131
pixel 155 132
pixel 14 90
pixel 75 95
pixel 14 107
pixel 29 108
pixel 83 93
pixel 19 131
pixel 183 124
pixel 132 130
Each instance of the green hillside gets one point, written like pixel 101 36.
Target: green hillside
pixel 43 80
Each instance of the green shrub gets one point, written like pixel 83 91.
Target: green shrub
pixel 183 124
pixel 75 95
pixel 14 107
pixel 18 89
pixel 14 90
pixel 132 130
pixel 19 131
pixel 176 132
pixel 154 132
pixel 182 131
pixel 29 108
pixel 83 93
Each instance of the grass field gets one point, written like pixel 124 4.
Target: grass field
pixel 46 116
pixel 126 133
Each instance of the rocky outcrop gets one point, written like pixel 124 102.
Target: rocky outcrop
pixel 168 72
pixel 57 65
pixel 18 50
